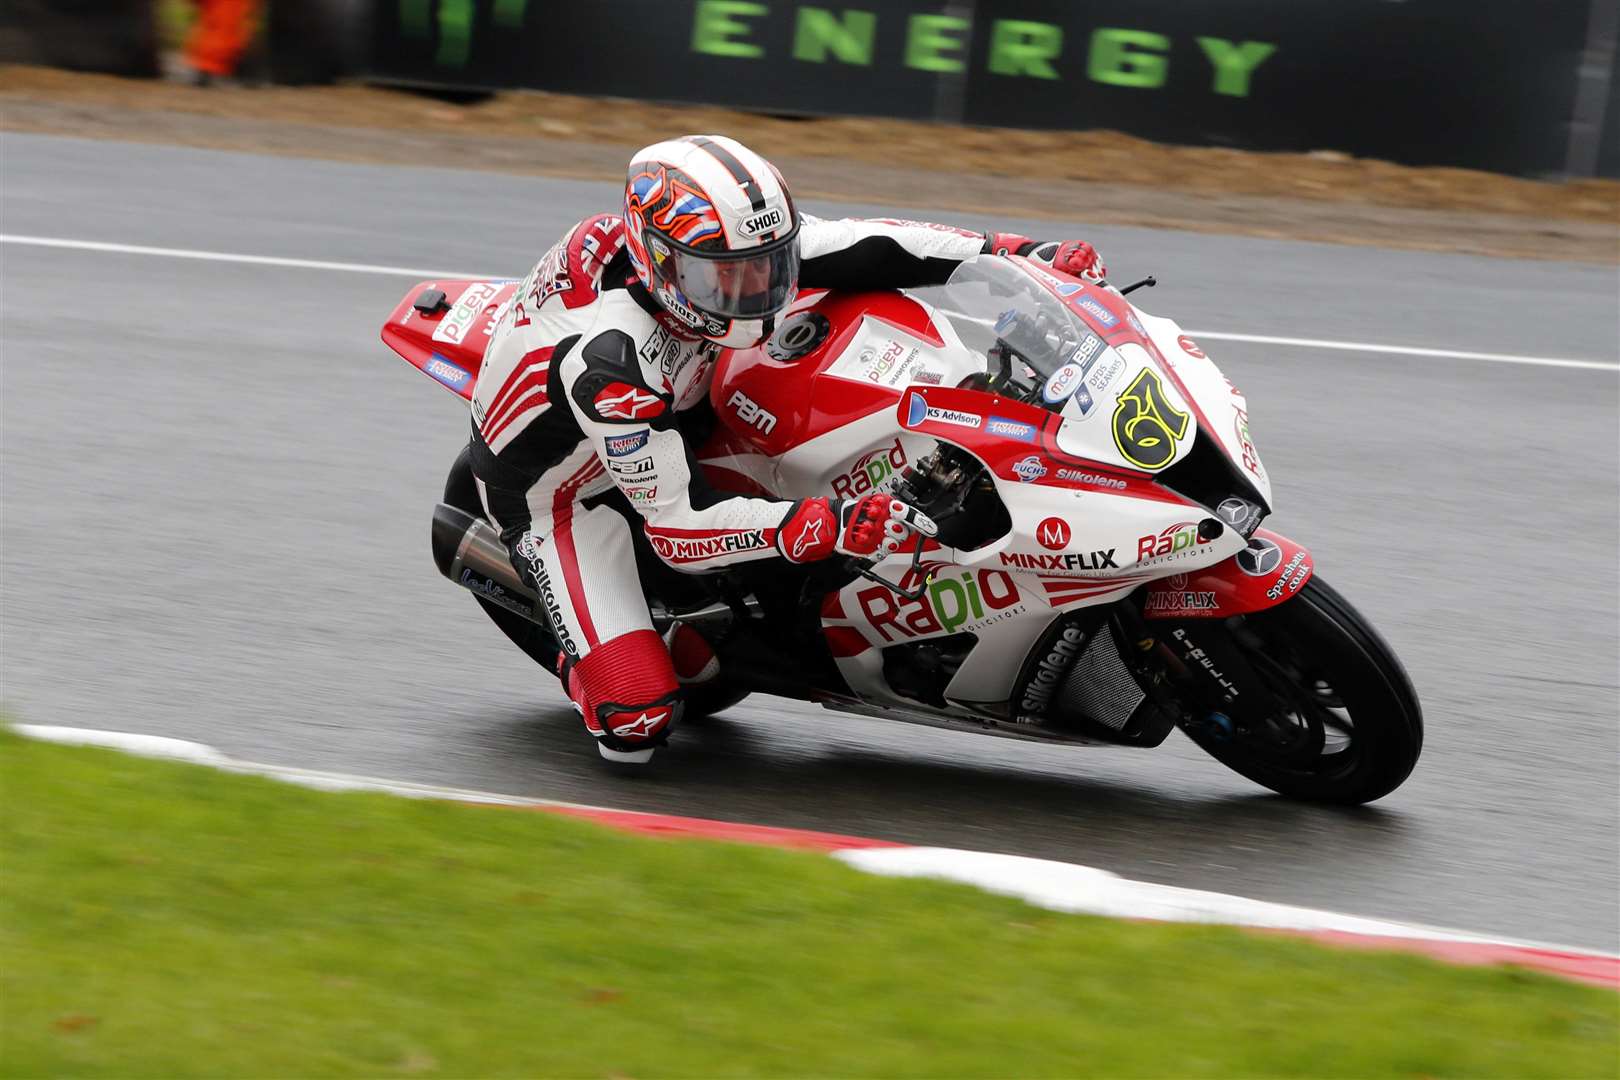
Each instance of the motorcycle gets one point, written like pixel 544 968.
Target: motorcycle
pixel 1100 575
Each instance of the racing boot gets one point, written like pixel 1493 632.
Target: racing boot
pixel 626 693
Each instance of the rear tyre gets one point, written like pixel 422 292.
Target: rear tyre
pixel 1349 729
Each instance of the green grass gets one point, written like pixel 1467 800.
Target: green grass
pixel 159 919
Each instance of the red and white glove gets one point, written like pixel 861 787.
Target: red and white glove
pixel 1070 256
pixel 870 527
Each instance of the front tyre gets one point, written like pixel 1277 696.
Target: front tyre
pixel 1347 729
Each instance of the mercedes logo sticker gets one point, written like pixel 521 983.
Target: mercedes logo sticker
pixel 1260 559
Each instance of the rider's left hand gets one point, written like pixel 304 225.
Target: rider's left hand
pixel 1074 257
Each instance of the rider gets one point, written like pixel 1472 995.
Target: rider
pixel 603 362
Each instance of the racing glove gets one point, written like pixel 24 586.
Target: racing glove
pixel 870 527
pixel 1070 256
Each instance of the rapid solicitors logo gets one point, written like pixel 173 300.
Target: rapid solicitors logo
pixel 870 470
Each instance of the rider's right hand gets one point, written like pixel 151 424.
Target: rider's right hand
pixel 866 528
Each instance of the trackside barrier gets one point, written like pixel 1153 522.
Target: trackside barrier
pixel 1518 88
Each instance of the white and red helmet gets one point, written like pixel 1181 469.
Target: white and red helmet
pixel 713 235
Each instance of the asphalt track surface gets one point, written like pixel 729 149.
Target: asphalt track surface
pixel 217 482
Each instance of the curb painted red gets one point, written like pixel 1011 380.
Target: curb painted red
pixel 1593 970
pixel 668 825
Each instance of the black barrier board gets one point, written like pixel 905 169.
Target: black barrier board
pixel 1454 82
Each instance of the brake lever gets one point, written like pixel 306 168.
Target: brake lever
pixel 916 564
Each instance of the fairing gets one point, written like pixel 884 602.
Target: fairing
pixel 448 344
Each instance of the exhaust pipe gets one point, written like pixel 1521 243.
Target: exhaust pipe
pixel 469 552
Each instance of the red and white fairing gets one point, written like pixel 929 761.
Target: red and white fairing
pixel 1088 524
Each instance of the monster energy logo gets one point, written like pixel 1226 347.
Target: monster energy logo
pixel 456 24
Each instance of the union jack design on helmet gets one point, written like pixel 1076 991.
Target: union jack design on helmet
pixel 712 233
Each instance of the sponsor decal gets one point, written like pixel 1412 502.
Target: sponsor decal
pixel 1061 383
pixel 548 596
pixel 644 725
pixel 1178 603
pixel 1102 372
pixel 1146 425
pixel 1260 558
pixel 1136 324
pixel 750 413
pixel 1082 401
pixel 1011 429
pixel 762 222
pixel 870 471
pixel 1049 672
pixel 495 593
pixel 1074 560
pixel 663 350
pixel 1173 542
pixel 892 366
pixel 446 372
pixel 1065 289
pixel 678 307
pixel 458 321
pixel 1097 311
pixel 809 537
pixel 918 410
pixel 1198 656
pixel 1240 514
pixel 1190 347
pixel 621 401
pixel 1029 469
pixel 926 376
pixel 625 445
pixel 1251 459
pixel 644 494
pixel 1085 353
pixel 948 604
pixel 1080 476
pixel 634 467
pixel 1292 577
pixel 693 549
pixel 1053 534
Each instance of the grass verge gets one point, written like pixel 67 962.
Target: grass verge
pixel 164 919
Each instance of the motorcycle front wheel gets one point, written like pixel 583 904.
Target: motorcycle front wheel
pixel 1347 728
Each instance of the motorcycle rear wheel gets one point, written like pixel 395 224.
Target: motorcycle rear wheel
pixel 1349 730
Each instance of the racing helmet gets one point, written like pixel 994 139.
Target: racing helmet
pixel 713 235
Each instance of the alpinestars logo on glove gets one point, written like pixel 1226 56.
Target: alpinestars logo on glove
pixel 621 401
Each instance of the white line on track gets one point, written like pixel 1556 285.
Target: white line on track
pixel 406 271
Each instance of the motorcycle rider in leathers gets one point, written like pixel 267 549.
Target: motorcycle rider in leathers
pixel 605 357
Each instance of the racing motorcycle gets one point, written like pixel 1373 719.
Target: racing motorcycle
pixel 1100 576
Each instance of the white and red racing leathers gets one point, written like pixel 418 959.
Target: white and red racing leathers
pixel 578 418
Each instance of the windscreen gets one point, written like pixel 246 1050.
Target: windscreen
pixel 1033 347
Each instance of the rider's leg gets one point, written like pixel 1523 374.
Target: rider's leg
pixel 617 670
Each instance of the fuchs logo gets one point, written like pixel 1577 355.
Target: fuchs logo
pixel 948 603
pixel 870 469
pixel 1029 470
pixel 750 413
pixel 707 547
pixel 1011 429
pixel 625 445
pixel 1053 534
pixel 1075 560
pixel 1079 476
pixel 770 219
pixel 1062 382
pixel 1050 671
pixel 1174 541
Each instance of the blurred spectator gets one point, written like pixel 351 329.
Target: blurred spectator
pixel 219 37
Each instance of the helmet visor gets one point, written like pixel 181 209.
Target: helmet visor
pixel 739 284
